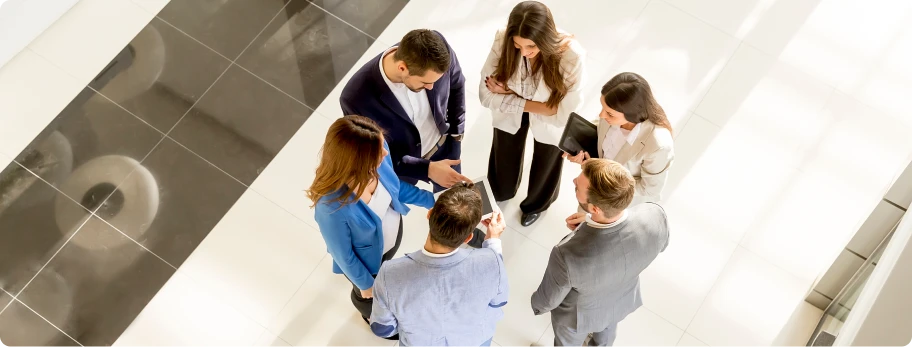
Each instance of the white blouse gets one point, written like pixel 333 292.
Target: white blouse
pixel 381 205
pixel 506 108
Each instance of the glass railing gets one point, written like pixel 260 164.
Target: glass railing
pixel 836 313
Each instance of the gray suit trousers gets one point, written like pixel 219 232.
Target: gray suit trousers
pixel 564 336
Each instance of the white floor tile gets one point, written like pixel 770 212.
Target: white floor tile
pixel 84 47
pixel 256 257
pixel 321 313
pixel 153 6
pixel 750 303
pixel 678 54
pixel 799 234
pixel 269 339
pixel 753 90
pixel 689 340
pixel 726 190
pixel 682 276
pixel 286 179
pixel 184 314
pixel 844 55
pixel 525 268
pixel 32 92
pixel 888 80
pixel 690 141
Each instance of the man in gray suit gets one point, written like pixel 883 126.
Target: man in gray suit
pixel 593 277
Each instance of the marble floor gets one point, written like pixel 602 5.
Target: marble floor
pixel 789 125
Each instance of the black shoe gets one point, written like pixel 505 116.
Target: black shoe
pixel 529 219
pixel 477 238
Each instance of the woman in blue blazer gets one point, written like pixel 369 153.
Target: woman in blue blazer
pixel 359 202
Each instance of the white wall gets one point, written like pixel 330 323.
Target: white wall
pixel 21 21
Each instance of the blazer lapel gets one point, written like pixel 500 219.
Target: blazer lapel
pixel 602 130
pixel 629 151
pixel 386 95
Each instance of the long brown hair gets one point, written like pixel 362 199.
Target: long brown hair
pixel 532 20
pixel 630 94
pixel 349 159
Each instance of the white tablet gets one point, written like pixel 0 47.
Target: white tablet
pixel 488 205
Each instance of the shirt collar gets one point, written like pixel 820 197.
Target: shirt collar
pixel 634 133
pixel 435 255
pixel 598 225
pixel 392 85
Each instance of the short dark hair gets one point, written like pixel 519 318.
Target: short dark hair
pixel 455 215
pixel 423 50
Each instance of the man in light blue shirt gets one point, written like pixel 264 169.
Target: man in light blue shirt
pixel 444 295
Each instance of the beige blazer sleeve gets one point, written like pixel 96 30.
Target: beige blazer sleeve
pixel 654 166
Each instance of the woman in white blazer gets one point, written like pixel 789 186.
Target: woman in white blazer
pixel 634 131
pixel 531 80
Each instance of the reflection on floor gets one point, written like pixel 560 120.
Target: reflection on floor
pixel 101 208
pixel 784 117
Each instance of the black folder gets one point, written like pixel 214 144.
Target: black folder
pixel 579 135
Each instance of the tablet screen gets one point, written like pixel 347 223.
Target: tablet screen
pixel 486 207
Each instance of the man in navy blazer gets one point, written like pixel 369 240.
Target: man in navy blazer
pixel 415 91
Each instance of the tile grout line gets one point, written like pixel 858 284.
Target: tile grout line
pixel 700 20
pixel 346 22
pixel 708 293
pixel 65 243
pixel 7 304
pixel 710 86
pixel 312 109
pixel 45 319
pixel 285 305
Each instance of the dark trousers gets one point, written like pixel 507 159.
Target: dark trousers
pixel 505 168
pixel 364 305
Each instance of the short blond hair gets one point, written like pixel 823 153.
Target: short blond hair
pixel 611 186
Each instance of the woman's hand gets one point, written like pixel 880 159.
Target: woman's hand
pixel 575 220
pixel 579 158
pixel 496 87
pixel 367 293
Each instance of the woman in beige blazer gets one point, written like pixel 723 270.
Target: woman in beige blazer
pixel 531 82
pixel 634 131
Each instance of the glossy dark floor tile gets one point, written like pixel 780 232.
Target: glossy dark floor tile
pixel 241 124
pixel 177 198
pixel 370 16
pixel 225 25
pixel 35 221
pixel 96 284
pixel 160 74
pixel 19 326
pixel 89 148
pixel 4 300
pixel 305 52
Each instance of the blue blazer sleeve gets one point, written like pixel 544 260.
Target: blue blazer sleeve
pixel 409 194
pixel 337 234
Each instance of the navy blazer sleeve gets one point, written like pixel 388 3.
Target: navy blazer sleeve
pixel 456 108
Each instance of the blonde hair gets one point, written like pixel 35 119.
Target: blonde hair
pixel 611 186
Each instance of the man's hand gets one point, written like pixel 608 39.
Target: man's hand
pixel 580 158
pixel 442 173
pixel 495 226
pixel 496 87
pixel 367 293
pixel 575 220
